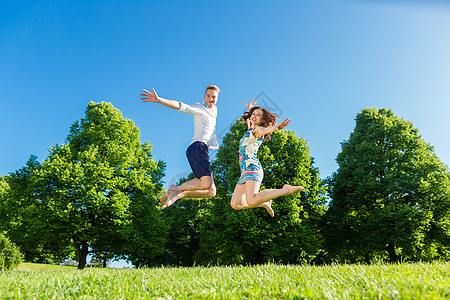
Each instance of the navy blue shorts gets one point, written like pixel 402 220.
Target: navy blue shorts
pixel 198 157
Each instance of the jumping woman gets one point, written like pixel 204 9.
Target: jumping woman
pixel 261 123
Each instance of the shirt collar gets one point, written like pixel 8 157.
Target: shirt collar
pixel 205 106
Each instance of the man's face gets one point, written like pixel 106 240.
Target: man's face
pixel 211 98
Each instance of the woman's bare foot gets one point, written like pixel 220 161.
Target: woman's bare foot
pixel 268 206
pixel 292 189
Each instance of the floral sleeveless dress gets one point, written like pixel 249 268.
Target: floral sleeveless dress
pixel 251 168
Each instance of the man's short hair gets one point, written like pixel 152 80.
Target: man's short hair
pixel 212 87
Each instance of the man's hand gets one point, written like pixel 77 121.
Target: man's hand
pixel 283 124
pixel 250 104
pixel 149 97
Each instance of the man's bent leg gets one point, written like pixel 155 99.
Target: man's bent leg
pixel 203 183
pixel 176 195
pixel 200 187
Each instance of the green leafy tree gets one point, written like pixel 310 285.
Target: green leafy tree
pixel 390 194
pixel 183 219
pixel 85 190
pixel 10 255
pixel 147 233
pixel 228 236
pixel 4 190
pixel 19 212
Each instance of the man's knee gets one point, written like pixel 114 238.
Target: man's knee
pixel 207 183
pixel 212 191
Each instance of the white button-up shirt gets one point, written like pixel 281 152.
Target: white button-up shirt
pixel 204 123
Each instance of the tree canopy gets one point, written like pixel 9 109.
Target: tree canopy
pixel 91 192
pixel 220 235
pixel 389 195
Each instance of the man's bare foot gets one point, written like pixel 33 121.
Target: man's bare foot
pixel 164 197
pixel 174 195
pixel 268 206
pixel 292 189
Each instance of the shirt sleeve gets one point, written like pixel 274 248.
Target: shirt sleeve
pixel 189 109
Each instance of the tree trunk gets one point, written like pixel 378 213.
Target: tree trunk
pixel 83 251
pixel 391 250
pixel 104 262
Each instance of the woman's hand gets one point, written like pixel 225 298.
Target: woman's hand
pixel 283 124
pixel 250 104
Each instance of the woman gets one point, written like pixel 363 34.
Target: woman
pixel 261 123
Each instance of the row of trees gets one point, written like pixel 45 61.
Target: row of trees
pixel 98 193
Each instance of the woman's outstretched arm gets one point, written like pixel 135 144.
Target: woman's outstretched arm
pixel 260 131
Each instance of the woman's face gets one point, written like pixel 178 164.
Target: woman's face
pixel 257 117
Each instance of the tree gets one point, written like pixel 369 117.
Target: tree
pixel 183 220
pixel 252 236
pixel 85 190
pixel 19 208
pixel 10 255
pixel 389 195
pixel 147 233
pixel 4 190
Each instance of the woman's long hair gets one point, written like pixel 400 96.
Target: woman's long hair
pixel 269 119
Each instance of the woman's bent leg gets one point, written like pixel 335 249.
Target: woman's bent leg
pixel 238 200
pixel 255 198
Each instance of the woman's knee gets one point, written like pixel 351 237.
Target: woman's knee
pixel 250 199
pixel 236 206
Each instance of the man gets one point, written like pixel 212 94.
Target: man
pixel 205 115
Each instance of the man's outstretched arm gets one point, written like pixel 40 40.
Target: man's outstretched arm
pixel 153 97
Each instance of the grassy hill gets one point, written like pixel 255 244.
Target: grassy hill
pixel 42 267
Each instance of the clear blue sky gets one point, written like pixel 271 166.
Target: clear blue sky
pixel 320 62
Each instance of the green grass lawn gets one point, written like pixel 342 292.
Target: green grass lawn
pixel 41 267
pixel 402 281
